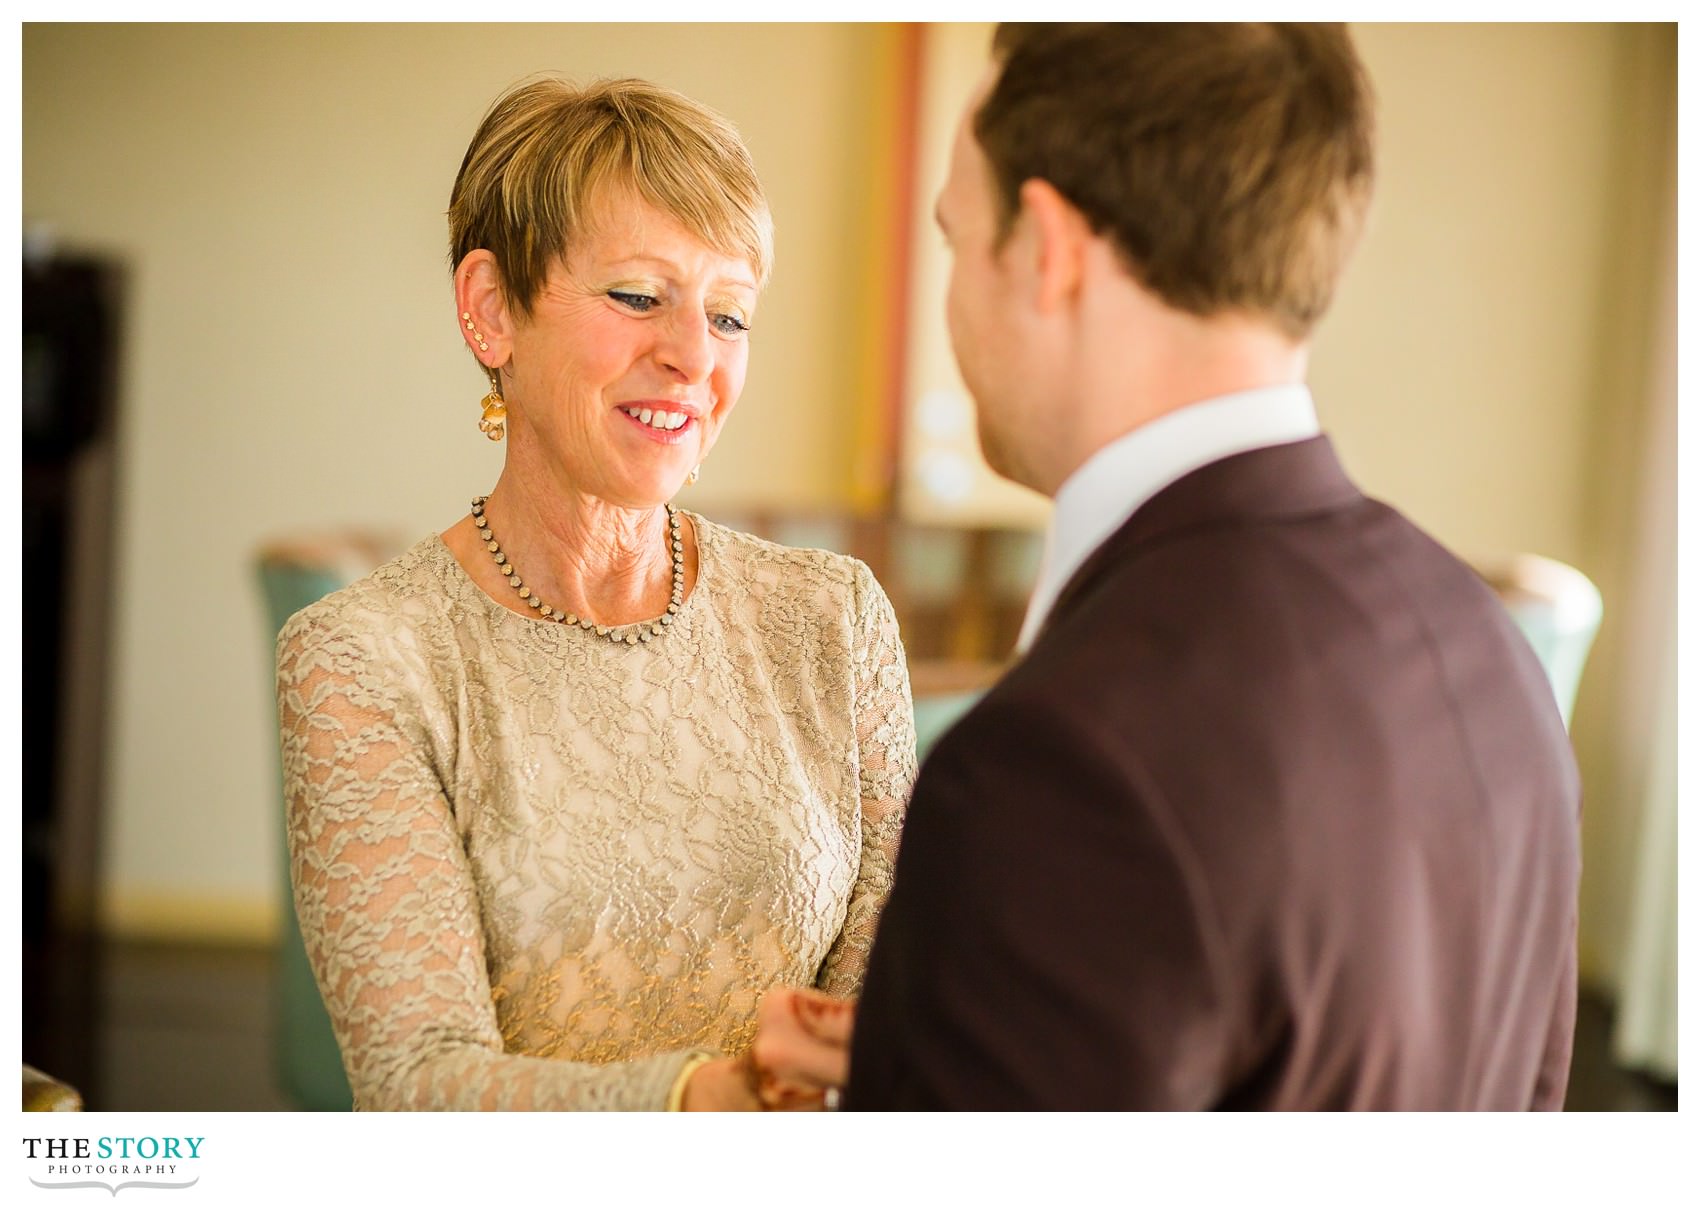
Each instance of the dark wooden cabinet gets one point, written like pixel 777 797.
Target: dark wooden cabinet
pixel 71 342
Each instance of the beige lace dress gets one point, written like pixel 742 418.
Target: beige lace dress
pixel 535 869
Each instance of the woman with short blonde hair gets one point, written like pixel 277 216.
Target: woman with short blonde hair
pixel 573 783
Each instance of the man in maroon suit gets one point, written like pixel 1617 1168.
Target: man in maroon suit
pixel 1277 810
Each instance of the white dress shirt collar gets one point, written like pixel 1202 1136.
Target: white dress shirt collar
pixel 1104 491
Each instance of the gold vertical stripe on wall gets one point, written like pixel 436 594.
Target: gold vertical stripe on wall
pixel 893 93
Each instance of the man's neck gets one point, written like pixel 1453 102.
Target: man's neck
pixel 1172 360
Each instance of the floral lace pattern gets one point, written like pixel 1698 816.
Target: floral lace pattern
pixel 536 870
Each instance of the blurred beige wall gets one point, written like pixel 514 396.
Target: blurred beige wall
pixel 1457 370
pixel 293 361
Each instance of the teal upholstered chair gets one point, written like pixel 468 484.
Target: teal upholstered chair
pixel 1557 609
pixel 934 714
pixel 308 1064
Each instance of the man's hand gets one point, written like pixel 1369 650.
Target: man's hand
pixel 801 1053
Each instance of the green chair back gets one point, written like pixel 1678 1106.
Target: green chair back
pixel 307 1061
pixel 934 714
pixel 1558 610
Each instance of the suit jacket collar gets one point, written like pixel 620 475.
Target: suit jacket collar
pixel 1119 477
pixel 1289 480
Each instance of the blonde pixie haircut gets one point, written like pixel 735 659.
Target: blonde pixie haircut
pixel 547 149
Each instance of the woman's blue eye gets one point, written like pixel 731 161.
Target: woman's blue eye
pixel 632 299
pixel 728 325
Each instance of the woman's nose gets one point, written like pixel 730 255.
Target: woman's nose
pixel 686 348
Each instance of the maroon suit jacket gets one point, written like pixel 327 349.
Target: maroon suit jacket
pixel 1278 812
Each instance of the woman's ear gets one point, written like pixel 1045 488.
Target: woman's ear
pixel 1058 237
pixel 485 323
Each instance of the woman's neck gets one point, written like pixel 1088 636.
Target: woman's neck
pixel 601 561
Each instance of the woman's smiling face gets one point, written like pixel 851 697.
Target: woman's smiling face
pixel 632 357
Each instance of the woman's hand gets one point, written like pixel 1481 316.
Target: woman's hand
pixel 726 1084
pixel 801 1053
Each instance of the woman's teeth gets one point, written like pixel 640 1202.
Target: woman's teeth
pixel 658 419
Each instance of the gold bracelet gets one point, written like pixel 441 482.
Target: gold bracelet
pixel 694 1062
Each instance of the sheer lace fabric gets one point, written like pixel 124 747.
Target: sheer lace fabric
pixel 534 869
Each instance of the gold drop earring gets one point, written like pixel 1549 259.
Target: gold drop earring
pixel 494 422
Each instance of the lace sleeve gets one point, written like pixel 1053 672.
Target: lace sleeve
pixel 388 906
pixel 885 738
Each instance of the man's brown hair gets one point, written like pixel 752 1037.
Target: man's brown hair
pixel 1231 165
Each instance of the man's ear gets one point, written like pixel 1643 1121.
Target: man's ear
pixel 1060 237
pixel 485 323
